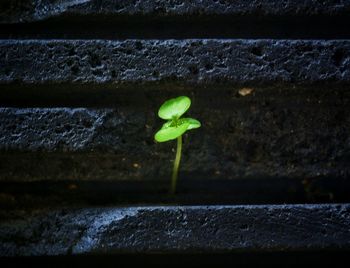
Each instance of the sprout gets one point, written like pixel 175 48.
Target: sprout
pixel 172 110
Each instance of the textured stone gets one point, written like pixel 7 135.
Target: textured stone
pixel 195 61
pixel 176 229
pixel 49 129
pixel 274 132
pixel 24 11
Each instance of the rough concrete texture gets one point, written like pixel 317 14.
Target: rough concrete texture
pixel 24 10
pixel 175 229
pixel 273 132
pixel 51 128
pixel 195 61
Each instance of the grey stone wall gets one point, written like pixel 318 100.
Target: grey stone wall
pixel 80 86
pixel 92 102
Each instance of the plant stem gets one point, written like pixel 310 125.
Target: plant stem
pixel 176 165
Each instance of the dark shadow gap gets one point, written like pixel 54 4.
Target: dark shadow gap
pixel 50 194
pixel 140 96
pixel 281 258
pixel 181 27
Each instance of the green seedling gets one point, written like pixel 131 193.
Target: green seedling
pixel 174 128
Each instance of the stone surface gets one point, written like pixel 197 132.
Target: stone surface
pixel 175 229
pixel 51 128
pixel 274 132
pixel 189 61
pixel 24 11
pixel 269 109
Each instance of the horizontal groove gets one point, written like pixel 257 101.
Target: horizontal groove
pixel 283 258
pixel 144 27
pixel 148 95
pixel 75 194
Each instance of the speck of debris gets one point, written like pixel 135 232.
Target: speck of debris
pixel 136 165
pixel 245 91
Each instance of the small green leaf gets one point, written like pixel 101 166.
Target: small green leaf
pixel 193 123
pixel 174 108
pixel 169 132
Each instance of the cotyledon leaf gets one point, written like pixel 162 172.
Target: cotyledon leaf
pixel 169 132
pixel 174 108
pixel 193 123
